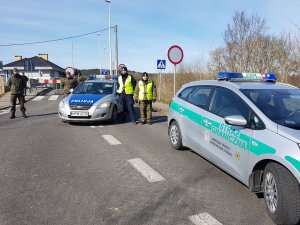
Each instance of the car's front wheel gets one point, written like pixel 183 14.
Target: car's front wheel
pixel 175 136
pixel 282 194
pixel 114 115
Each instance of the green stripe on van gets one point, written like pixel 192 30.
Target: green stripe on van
pixel 243 140
pixel 294 162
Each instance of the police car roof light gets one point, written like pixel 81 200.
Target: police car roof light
pixel 91 77
pixel 229 75
pixel 269 76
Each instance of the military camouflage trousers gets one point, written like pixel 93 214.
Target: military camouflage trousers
pixel 13 102
pixel 66 94
pixel 146 111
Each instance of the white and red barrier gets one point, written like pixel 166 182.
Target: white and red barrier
pixel 46 81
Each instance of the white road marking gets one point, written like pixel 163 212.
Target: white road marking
pixel 204 219
pixel 38 98
pixel 53 97
pixel 4 111
pixel 111 140
pixel 95 126
pixel 150 174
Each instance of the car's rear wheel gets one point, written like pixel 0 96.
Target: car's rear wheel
pixel 282 194
pixel 114 115
pixel 175 136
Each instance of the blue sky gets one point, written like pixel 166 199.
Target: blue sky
pixel 146 28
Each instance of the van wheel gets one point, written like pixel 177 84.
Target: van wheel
pixel 175 136
pixel 282 194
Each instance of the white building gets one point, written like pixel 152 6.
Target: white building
pixel 36 68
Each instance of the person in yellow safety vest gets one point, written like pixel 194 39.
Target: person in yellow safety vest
pixel 126 85
pixel 145 94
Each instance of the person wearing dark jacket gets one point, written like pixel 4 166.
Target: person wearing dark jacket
pixel 17 84
pixel 26 80
pixel 126 85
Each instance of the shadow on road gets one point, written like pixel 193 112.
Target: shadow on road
pixel 44 114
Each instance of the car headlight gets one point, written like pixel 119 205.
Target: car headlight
pixel 104 105
pixel 61 104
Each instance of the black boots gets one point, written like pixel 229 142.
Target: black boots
pixel 24 115
pixel 12 115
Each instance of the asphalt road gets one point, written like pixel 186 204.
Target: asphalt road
pixel 57 173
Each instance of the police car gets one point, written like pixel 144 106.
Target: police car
pixel 92 101
pixel 249 125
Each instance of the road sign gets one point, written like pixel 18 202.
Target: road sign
pixel 175 54
pixel 71 70
pixel 121 66
pixel 161 64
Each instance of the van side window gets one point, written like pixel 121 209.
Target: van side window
pixel 199 97
pixel 185 93
pixel 226 103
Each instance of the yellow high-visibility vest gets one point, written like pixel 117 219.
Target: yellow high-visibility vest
pixel 128 85
pixel 148 93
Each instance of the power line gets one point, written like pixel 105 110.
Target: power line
pixel 59 39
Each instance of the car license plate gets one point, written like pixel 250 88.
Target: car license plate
pixel 79 113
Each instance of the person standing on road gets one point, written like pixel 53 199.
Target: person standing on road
pixel 126 85
pixel 26 80
pixel 17 84
pixel 68 83
pixel 145 95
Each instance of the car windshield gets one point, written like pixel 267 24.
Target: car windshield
pixel 94 88
pixel 280 105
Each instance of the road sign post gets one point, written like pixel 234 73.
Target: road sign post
pixel 161 65
pixel 175 56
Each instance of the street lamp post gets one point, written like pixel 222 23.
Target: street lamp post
pixel 100 58
pixel 109 38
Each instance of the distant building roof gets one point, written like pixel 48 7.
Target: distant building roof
pixel 31 64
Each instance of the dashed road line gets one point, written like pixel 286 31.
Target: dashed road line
pixel 150 174
pixel 38 98
pixel 96 126
pixel 204 219
pixel 53 97
pixel 111 140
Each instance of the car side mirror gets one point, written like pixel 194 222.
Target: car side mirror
pixel 236 120
pixel 71 90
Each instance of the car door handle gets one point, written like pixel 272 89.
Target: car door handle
pixel 181 110
pixel 207 123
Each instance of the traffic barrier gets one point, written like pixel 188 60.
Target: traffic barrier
pixel 53 83
pixel 46 81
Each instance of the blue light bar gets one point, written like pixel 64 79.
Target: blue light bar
pixel 229 75
pixel 269 76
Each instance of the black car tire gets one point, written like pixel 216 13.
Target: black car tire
pixel 114 115
pixel 175 136
pixel 282 194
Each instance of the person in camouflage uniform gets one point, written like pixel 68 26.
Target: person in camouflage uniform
pixel 145 94
pixel 68 83
pixel 80 78
pixel 17 84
